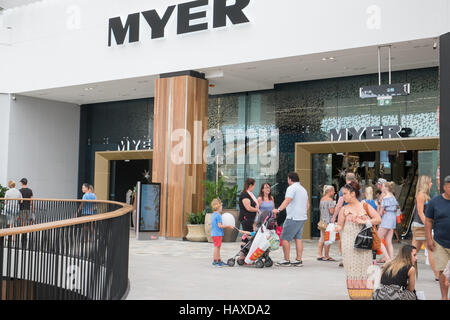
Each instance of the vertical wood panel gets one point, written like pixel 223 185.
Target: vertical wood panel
pixel 182 184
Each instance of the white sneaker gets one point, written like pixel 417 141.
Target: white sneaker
pixel 297 263
pixel 284 263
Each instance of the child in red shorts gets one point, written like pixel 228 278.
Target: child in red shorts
pixel 217 231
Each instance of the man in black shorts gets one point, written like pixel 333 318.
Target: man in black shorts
pixel 26 207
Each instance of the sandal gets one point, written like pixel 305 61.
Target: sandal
pixel 329 259
pixel 320 259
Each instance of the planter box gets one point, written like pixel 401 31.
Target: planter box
pixel 196 232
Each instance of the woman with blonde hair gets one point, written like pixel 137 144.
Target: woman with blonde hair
pixel 387 210
pixel 327 206
pixel 398 278
pixel 12 206
pixel 418 226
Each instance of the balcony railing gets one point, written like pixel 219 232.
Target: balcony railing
pixel 63 249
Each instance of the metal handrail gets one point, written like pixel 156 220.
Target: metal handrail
pixel 58 250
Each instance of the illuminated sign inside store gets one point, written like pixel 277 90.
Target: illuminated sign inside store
pixel 187 13
pixel 378 132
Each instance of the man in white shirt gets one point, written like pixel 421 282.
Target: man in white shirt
pixel 297 205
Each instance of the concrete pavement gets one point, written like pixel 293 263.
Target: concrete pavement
pixel 175 270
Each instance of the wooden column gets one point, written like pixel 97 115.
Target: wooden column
pixel 181 103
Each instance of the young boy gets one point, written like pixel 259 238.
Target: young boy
pixel 217 231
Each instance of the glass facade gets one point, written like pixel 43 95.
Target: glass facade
pixel 306 111
pixel 302 112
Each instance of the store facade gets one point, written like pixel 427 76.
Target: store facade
pixel 286 95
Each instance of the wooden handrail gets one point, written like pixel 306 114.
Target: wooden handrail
pixel 68 222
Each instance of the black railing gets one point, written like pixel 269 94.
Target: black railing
pixel 58 249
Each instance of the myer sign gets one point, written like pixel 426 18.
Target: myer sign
pixel 186 14
pixel 379 132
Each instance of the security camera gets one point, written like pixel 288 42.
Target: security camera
pixel 435 45
pixel 13 97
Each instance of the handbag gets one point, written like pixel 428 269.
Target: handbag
pixel 376 241
pixel 419 233
pixel 322 225
pixel 393 292
pixel 364 239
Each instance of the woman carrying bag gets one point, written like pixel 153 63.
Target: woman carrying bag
pixel 352 219
pixel 327 206
pixel 418 226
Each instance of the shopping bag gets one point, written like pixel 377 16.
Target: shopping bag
pixel 259 246
pixel 400 216
pixel 274 240
pixel 330 234
pixel 278 230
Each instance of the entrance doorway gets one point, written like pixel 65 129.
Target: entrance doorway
pixel 399 160
pixel 401 167
pixel 103 166
pixel 124 176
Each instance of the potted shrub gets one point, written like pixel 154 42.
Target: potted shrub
pixel 228 196
pixel 196 227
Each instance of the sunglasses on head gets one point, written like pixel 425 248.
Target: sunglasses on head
pixel 349 187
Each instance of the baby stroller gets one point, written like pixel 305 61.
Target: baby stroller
pixel 267 239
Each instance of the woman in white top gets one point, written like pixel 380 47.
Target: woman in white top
pixel 12 206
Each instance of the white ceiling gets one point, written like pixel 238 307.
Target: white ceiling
pixel 261 75
pixel 8 4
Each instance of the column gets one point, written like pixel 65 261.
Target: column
pixel 181 105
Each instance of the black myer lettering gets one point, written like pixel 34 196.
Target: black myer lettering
pixel 234 12
pixel 156 23
pixel 185 19
pixel 120 32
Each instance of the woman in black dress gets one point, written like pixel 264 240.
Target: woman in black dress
pixel 398 277
pixel 248 208
pixel 248 205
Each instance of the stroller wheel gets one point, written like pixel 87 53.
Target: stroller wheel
pixel 240 262
pixel 231 262
pixel 268 263
pixel 259 264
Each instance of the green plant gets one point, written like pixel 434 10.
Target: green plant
pixel 196 218
pixel 228 195
pixel 2 195
pixel 3 191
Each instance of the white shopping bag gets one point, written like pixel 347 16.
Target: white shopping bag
pixel 274 240
pixel 330 234
pixel 420 295
pixel 259 246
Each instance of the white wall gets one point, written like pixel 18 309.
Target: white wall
pixel 4 137
pixel 43 146
pixel 58 43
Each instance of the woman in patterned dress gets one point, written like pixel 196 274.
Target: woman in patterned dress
pixel 352 218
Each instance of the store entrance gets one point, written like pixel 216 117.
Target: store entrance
pixel 400 160
pixel 401 167
pixel 124 177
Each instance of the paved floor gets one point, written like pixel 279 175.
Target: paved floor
pixel 175 270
